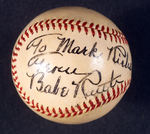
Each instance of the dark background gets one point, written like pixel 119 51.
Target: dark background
pixel 130 116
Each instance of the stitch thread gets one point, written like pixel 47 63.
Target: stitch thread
pixel 106 32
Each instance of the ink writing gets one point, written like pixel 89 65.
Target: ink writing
pixel 120 56
pixel 88 84
pixel 96 84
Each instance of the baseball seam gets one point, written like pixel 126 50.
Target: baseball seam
pixel 85 107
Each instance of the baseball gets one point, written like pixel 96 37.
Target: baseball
pixel 71 65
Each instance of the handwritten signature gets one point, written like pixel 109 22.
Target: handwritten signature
pixel 95 84
pixel 89 84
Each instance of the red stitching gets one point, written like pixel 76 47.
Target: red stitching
pixel 61 113
pixel 125 86
pixel 105 36
pixel 119 40
pixel 17 48
pixel 79 29
pixel 19 43
pixel 13 60
pixel 47 110
pixel 26 33
pixel 109 97
pixel 24 96
pixel 114 93
pixel 91 104
pixel 28 99
pixel 18 84
pixel 13 67
pixel 58 21
pixel 30 30
pixel 13 73
pixel 53 24
pixel 37 107
pixel 14 53
pixel 60 25
pixel 15 79
pixel 91 25
pixel 115 38
pixel 78 22
pixel 93 31
pixel 67 111
pixel 98 102
pixel 121 88
pixel 20 90
pixel 118 92
pixel 35 27
pixel 65 24
pixel 73 110
pixel 107 29
pixel 102 28
pixel 70 22
pixel 42 109
pixel 103 99
pixel 54 111
pixel 88 28
pixel 47 24
pixel 41 25
pixel 33 106
pixel 86 107
pixel 80 109
pixel 97 27
pixel 23 38
pixel 99 33
pixel 84 24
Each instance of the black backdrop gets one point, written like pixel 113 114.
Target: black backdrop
pixel 130 116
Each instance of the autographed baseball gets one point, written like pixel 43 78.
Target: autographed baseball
pixel 71 65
